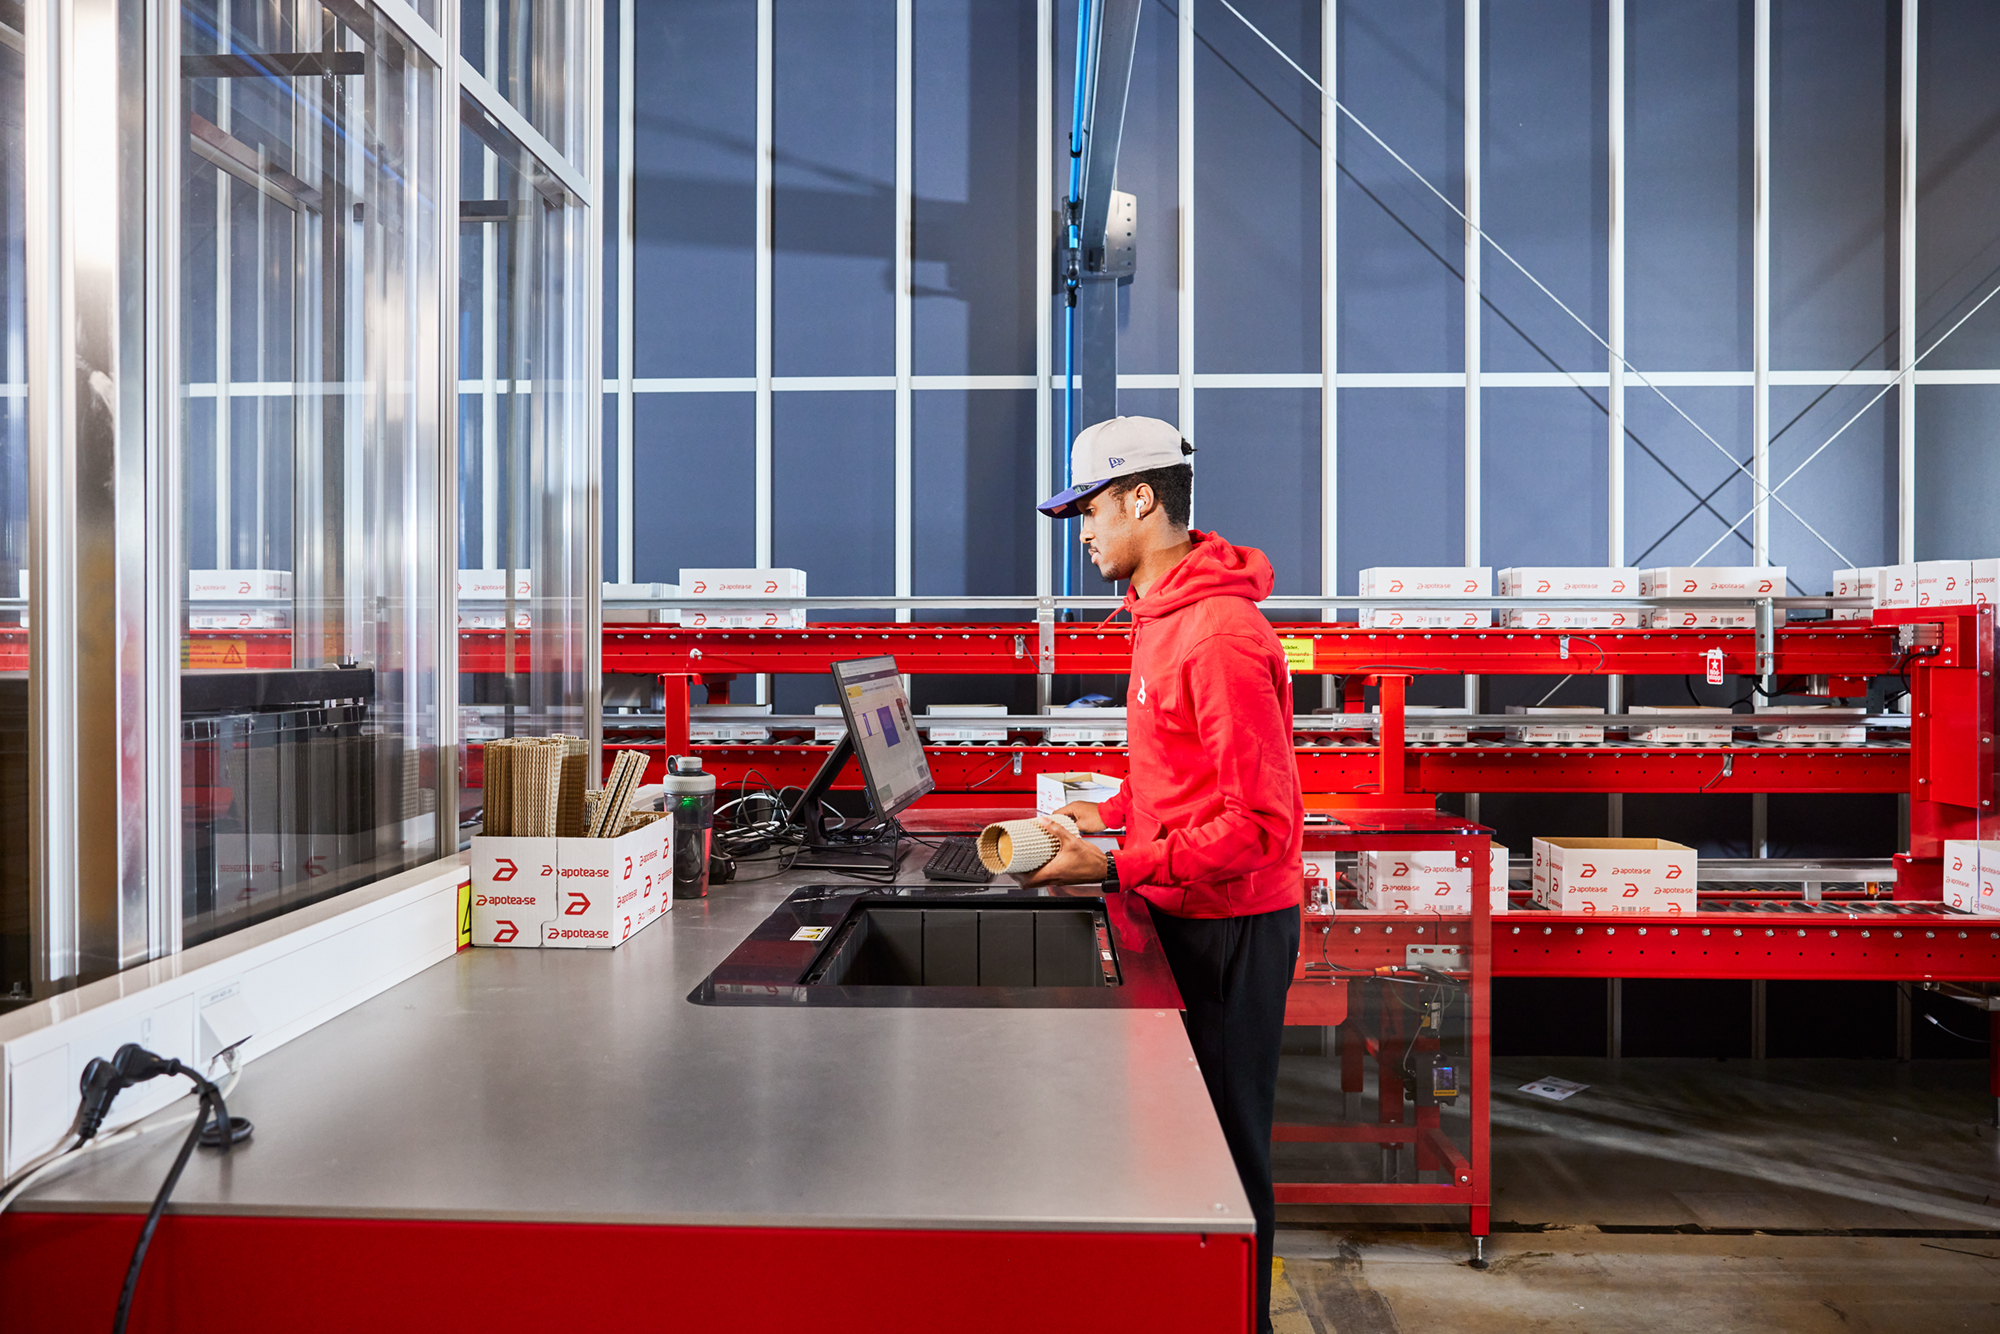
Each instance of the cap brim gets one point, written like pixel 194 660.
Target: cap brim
pixel 1062 505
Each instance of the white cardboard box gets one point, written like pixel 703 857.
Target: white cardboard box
pixel 1427 581
pixel 1055 791
pixel 1432 724
pixel 238 585
pixel 1708 618
pixel 1320 880
pixel 1615 876
pixel 1988 904
pixel 1427 882
pixel 1898 588
pixel 1084 727
pixel 829 731
pixel 570 893
pixel 1565 734
pixel 1425 618
pixel 1966 864
pixel 1568 581
pixel 491 585
pixel 1857 583
pixel 615 594
pixel 1811 729
pixel 729 722
pixel 743 583
pixel 742 618
pixel 493 618
pixel 256 618
pixel 1570 618
pixel 1712 581
pixel 1669 732
pixel 1985 582
pixel 1944 583
pixel 960 722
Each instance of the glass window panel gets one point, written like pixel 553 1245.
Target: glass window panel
pixel 524 454
pixel 522 48
pixel 310 397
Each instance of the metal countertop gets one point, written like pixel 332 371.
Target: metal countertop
pixel 551 1085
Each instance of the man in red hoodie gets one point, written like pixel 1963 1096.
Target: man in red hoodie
pixel 1213 814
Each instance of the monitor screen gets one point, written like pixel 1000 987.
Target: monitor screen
pixel 885 738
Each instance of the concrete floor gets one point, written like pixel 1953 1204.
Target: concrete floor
pixel 1678 1195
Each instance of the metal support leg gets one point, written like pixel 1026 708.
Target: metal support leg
pixel 1478 1250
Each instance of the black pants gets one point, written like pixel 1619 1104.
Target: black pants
pixel 1233 973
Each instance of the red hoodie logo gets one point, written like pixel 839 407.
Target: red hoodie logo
pixel 1142 690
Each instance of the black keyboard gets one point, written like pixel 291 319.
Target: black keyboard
pixel 957 859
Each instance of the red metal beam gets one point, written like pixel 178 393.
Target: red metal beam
pixel 1853 650
pixel 1356 769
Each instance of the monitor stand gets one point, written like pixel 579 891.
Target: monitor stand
pixel 869 861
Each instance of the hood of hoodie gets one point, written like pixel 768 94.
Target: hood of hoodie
pixel 1213 569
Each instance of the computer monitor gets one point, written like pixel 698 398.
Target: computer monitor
pixel 881 734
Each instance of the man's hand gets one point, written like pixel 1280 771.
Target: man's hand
pixel 1086 816
pixel 1075 862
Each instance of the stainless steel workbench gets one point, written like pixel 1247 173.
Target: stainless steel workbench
pixel 582 1086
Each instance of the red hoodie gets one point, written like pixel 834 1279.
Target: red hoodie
pixel 1213 812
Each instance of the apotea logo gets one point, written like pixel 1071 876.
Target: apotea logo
pixel 1957 863
pixel 506 933
pixel 1395 585
pixel 1673 873
pixel 770 585
pixel 700 586
pixel 1689 585
pixel 1443 891
pixel 1142 690
pixel 1402 869
pixel 1541 585
pixel 1764 585
pixel 579 904
pixel 1589 870
pixel 1618 585
pixel 504 869
pixel 1631 890
pixel 1471 586
pixel 628 868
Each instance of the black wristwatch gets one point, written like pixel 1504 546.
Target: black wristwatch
pixel 1111 869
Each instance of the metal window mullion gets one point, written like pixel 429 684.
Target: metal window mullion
pixel 1045 278
pixel 1906 298
pixel 904 163
pixel 53 905
pixel 1473 502
pixel 225 417
pixel 1615 283
pixel 1472 280
pixel 450 165
pixel 766 204
pixel 587 402
pixel 627 226
pixel 164 559
pixel 1184 183
pixel 1760 286
pixel 492 558
pixel 1329 315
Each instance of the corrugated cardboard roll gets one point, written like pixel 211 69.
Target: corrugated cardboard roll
pixel 1016 847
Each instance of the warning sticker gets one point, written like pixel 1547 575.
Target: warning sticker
pixel 811 933
pixel 1298 654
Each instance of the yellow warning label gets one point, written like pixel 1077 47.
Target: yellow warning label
pixel 214 652
pixel 1298 654
pixel 464 913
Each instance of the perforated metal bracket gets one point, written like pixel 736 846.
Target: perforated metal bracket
pixel 1045 619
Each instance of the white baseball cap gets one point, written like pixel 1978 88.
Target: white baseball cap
pixel 1113 449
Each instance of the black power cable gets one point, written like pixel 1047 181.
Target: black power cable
pixel 102 1082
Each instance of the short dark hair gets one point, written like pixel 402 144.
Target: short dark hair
pixel 1173 487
